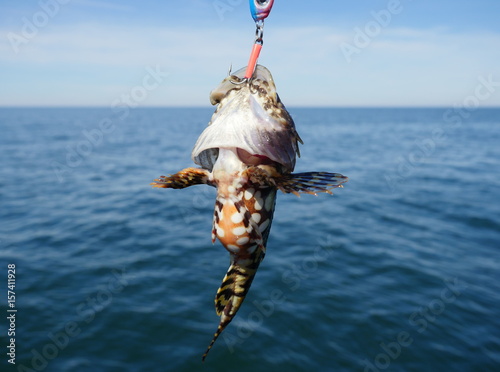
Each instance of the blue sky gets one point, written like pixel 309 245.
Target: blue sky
pixel 92 53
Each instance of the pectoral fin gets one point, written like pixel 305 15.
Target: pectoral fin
pixel 309 183
pixel 185 178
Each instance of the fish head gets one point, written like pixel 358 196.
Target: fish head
pixel 261 78
pixel 251 119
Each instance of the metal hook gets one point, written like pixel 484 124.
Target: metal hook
pixel 241 82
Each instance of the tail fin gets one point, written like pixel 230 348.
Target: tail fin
pixel 234 288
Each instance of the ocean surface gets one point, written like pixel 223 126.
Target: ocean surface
pixel 397 271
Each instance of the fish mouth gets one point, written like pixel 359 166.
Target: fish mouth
pixel 208 158
pixel 249 117
pixel 236 81
pixel 254 159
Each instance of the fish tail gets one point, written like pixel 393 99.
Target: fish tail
pixel 234 288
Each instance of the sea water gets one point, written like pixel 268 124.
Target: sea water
pixel 397 271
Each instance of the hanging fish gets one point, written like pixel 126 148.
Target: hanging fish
pixel 247 152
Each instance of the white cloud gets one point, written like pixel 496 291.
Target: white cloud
pixel 400 67
pixel 102 5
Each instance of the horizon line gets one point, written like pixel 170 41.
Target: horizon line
pixel 210 107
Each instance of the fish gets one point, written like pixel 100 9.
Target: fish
pixel 248 152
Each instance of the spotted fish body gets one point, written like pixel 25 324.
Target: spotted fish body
pixel 247 152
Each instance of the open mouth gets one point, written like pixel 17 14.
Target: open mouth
pixel 254 159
